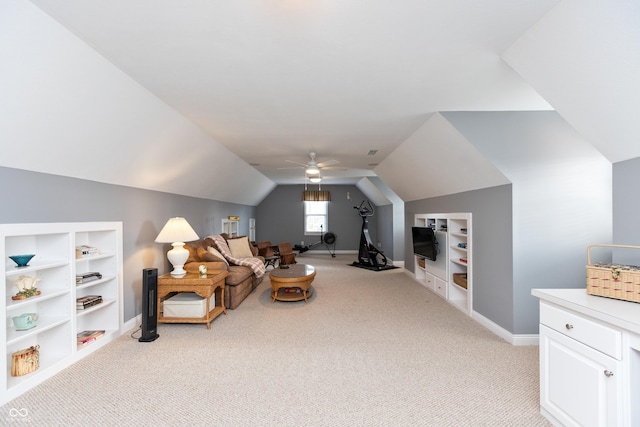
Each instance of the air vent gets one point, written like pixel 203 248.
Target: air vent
pixel 372 152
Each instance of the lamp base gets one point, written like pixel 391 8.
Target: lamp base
pixel 177 257
pixel 178 272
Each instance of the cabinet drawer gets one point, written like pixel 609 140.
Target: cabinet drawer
pixel 596 335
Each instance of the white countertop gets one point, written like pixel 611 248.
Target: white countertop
pixel 623 314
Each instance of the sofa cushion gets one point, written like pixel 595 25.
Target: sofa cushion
pixel 206 256
pixel 237 274
pixel 212 254
pixel 240 247
pixel 255 263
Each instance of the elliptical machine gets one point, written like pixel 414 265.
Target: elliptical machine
pixel 368 255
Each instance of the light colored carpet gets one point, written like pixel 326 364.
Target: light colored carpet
pixel 369 349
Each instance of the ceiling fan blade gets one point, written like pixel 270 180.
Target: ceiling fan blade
pixel 293 167
pixel 333 168
pixel 297 163
pixel 328 163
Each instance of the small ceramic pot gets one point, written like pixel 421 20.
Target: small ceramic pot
pixel 25 321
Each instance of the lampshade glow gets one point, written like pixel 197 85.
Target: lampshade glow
pixel 312 170
pixel 177 231
pixel 315 179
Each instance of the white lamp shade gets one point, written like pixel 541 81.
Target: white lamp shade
pixel 315 179
pixel 177 231
pixel 312 170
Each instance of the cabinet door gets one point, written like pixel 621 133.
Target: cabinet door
pixel 579 386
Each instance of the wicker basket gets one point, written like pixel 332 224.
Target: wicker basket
pixel 460 279
pixel 25 361
pixel 611 280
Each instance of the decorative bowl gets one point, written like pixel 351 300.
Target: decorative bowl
pixel 22 260
pixel 25 321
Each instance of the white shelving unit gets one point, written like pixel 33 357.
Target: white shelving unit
pixel 230 227
pixel 453 232
pixel 55 264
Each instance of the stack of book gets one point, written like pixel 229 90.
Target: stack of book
pixel 86 337
pixel 88 301
pixel 85 251
pixel 87 277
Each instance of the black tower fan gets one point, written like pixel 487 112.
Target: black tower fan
pixel 149 306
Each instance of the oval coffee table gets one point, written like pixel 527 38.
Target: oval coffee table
pixel 293 283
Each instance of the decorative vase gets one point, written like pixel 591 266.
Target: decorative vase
pixel 26 287
pixel 25 321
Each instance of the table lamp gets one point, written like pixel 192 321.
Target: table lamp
pixel 177 231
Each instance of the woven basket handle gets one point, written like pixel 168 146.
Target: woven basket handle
pixel 607 246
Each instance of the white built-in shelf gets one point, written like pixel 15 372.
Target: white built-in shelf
pixel 438 276
pixel 59 322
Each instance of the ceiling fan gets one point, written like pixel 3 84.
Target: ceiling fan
pixel 312 167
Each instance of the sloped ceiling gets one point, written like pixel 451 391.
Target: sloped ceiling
pixel 225 92
pixel 584 58
pixel 272 81
pixel 437 160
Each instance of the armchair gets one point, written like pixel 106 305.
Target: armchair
pixel 269 252
pixel 287 256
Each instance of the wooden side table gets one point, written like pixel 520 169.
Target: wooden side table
pixel 202 286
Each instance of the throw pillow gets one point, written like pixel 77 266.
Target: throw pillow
pixel 240 247
pixel 213 253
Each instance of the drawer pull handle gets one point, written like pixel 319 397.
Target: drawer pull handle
pixel 608 373
pixel 568 326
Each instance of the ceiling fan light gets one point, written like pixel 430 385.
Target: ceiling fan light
pixel 315 179
pixel 312 170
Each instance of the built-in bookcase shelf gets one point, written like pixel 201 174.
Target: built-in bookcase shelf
pixel 453 232
pixel 55 266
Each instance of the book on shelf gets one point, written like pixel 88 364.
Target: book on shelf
pixel 88 336
pixel 85 251
pixel 88 301
pixel 87 277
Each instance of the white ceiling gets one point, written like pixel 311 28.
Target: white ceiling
pixel 274 80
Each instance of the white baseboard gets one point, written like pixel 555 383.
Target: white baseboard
pixel 519 339
pixel 132 323
pixel 513 339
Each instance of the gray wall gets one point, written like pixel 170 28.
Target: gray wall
pixel 279 217
pixel 37 197
pixel 384 219
pixel 492 246
pixel 562 199
pixel 626 208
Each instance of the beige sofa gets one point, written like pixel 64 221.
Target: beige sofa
pixel 242 279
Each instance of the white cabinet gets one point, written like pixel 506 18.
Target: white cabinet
pixel 453 233
pixel 230 227
pixel 588 364
pixel 55 267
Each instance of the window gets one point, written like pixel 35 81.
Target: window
pixel 316 217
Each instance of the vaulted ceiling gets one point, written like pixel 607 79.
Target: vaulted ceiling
pixel 274 80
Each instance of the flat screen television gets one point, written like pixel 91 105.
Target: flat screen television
pixel 424 242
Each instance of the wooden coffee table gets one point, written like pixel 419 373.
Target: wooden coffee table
pixel 293 283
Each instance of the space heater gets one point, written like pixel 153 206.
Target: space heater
pixel 149 305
